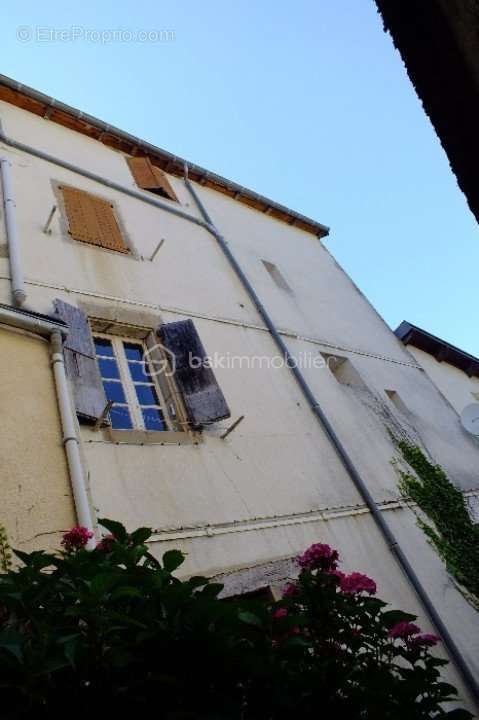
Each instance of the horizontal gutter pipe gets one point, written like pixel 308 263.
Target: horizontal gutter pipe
pixel 99 179
pixel 57 333
pixel 26 321
pixel 105 128
pixel 341 452
pixel 14 255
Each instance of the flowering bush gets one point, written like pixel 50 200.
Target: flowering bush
pixel 112 630
pixel 76 538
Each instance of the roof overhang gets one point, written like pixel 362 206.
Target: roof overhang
pixel 439 349
pixel 439 44
pixel 37 103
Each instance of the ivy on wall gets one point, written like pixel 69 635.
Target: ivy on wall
pixel 5 552
pixel 450 529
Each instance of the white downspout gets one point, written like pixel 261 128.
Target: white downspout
pixel 16 272
pixel 70 438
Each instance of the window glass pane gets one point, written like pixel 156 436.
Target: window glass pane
pixel 153 419
pixel 133 351
pixel 120 418
pixel 103 347
pixel 108 368
pixel 114 391
pixel 146 395
pixel 138 372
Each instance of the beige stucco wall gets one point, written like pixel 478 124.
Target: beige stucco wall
pixel 275 484
pixel 36 505
pixel 456 386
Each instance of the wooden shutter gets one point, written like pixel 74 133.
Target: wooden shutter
pixel 92 220
pixel 149 177
pixel 202 396
pixel 80 362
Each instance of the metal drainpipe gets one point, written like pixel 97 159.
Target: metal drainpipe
pixel 70 438
pixel 342 454
pixel 16 272
pixel 99 179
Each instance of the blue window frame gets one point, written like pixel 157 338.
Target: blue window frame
pixel 127 379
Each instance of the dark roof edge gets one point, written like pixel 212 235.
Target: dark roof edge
pixel 104 128
pixel 441 350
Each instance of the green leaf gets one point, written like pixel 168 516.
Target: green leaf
pixel 393 617
pixel 197 581
pixel 116 528
pixel 249 618
pixel 54 664
pixel 140 535
pixel 172 559
pixel 70 644
pixel 12 642
pixel 104 582
pixel 127 591
pixel 212 589
pixel 459 714
pixel 296 641
pixel 23 556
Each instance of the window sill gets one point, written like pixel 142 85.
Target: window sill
pixel 151 437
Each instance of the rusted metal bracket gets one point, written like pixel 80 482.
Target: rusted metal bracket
pixel 157 249
pixel 232 427
pixel 103 416
pixel 47 229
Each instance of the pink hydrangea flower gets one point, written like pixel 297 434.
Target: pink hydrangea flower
pixel 424 640
pixel 404 630
pixel 76 538
pixel 318 557
pixel 290 589
pixel 356 583
pixel 280 613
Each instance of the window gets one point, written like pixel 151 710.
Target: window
pixel 344 371
pixel 397 401
pixel 276 275
pixel 150 177
pixel 128 383
pixel 91 220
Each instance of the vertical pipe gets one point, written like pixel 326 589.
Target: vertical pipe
pixel 16 272
pixel 388 535
pixel 70 439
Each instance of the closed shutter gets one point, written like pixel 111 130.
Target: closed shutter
pixel 149 177
pixel 202 396
pixel 91 220
pixel 80 362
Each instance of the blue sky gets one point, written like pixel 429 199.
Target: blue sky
pixel 305 102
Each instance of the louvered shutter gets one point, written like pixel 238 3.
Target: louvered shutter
pixel 202 396
pixel 80 362
pixel 149 177
pixel 164 184
pixel 91 220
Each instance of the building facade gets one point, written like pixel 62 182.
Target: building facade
pixel 176 293
pixel 455 372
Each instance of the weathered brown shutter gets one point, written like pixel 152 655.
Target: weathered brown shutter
pixel 149 177
pixel 80 362
pixel 91 220
pixel 202 396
